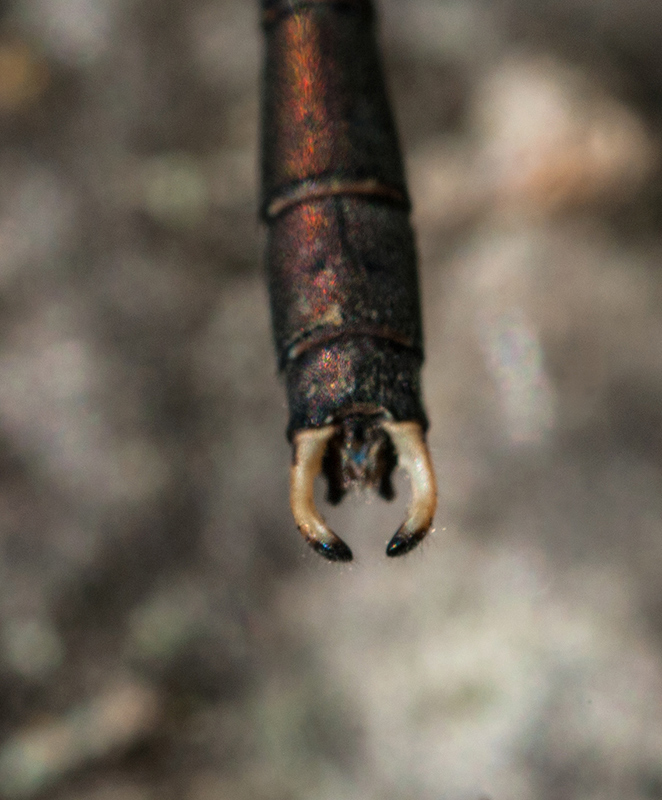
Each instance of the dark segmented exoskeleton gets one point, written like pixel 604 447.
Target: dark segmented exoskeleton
pixel 342 266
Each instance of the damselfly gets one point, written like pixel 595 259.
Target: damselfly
pixel 342 266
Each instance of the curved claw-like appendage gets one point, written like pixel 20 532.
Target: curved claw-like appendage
pixel 413 456
pixel 309 448
pixel 362 456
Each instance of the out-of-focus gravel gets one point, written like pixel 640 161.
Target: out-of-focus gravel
pixel 164 633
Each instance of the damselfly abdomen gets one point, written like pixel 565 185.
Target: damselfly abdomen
pixel 342 266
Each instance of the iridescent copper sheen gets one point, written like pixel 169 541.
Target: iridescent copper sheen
pixel 341 259
pixel 326 116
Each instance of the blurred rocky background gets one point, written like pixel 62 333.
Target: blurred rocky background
pixel 164 632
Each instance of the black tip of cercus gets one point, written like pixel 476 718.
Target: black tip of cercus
pixel 402 542
pixel 335 551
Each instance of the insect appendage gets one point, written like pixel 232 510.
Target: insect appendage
pixel 364 452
